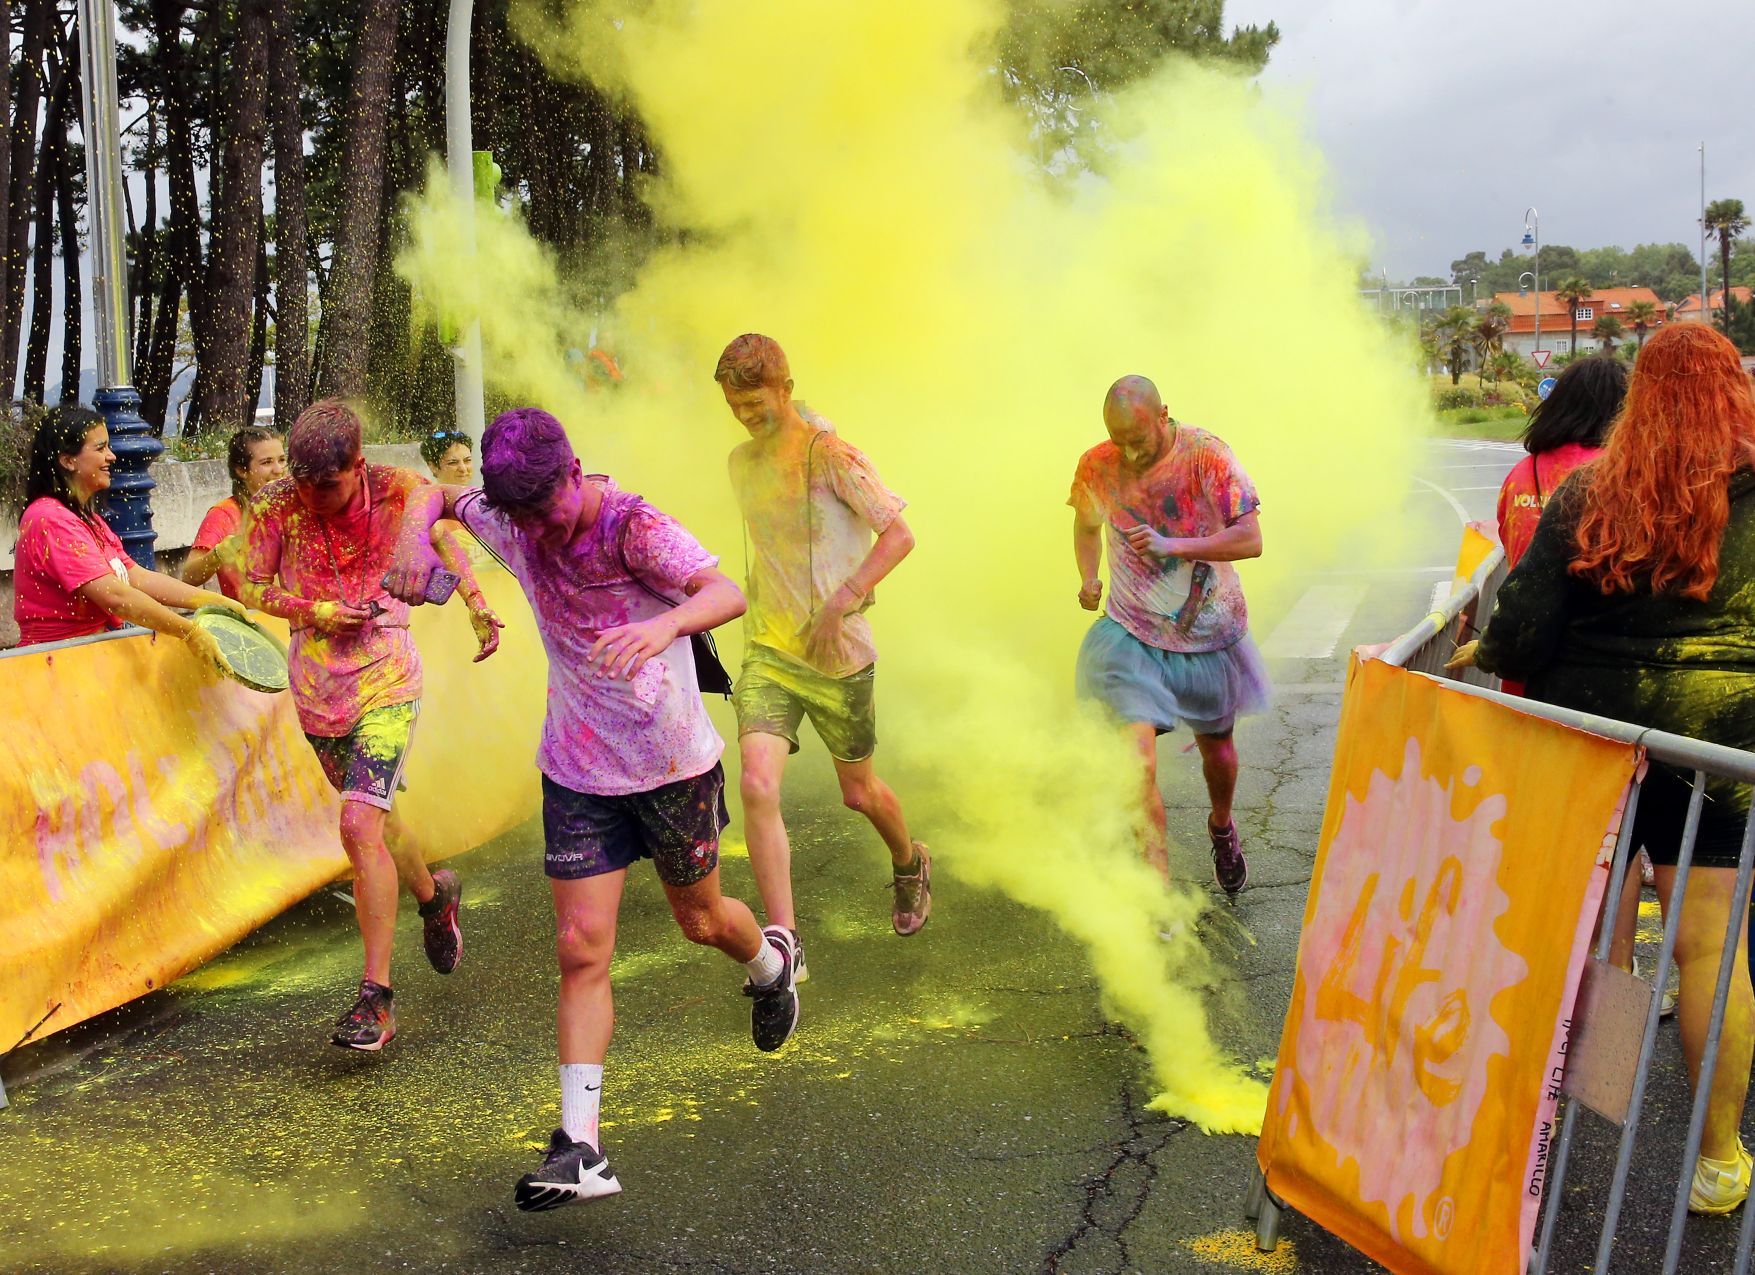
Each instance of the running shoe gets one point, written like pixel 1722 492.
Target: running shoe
pixel 913 895
pixel 371 1023
pixel 1720 1185
pixel 571 1172
pixel 774 1014
pixel 1230 868
pixel 441 934
pixel 800 971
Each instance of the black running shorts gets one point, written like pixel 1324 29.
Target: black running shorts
pixel 676 826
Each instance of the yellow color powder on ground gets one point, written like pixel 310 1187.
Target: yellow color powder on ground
pixel 853 187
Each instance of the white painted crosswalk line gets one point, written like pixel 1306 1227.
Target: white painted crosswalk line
pixel 1315 623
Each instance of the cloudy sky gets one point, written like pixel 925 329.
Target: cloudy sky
pixel 1441 122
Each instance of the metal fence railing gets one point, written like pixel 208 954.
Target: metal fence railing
pixel 1613 1090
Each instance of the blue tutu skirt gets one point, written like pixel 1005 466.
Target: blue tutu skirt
pixel 1207 691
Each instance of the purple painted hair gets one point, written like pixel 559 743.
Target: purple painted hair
pixel 525 455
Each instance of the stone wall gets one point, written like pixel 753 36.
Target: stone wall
pixel 186 491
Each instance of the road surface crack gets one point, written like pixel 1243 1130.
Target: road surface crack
pixel 1145 1136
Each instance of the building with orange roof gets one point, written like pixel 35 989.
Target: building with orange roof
pixel 1556 334
pixel 1689 311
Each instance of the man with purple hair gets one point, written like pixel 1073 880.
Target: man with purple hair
pixel 315 555
pixel 824 532
pixel 629 759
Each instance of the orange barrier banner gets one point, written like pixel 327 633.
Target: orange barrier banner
pixel 1462 863
pixel 152 815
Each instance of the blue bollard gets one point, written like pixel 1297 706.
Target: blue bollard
pixel 129 509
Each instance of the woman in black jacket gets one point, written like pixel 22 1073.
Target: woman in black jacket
pixel 1636 601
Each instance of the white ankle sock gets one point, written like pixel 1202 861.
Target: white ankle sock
pixel 766 965
pixel 581 1092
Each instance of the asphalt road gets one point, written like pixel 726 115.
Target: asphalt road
pixel 954 1102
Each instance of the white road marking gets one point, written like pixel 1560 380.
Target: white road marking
pixel 1478 444
pixel 1462 514
pixel 1440 593
pixel 1342 572
pixel 1315 623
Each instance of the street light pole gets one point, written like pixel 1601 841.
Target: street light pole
pixel 1705 310
pixel 471 398
pixel 1532 234
pixel 129 507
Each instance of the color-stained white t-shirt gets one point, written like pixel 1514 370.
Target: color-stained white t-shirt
pixel 610 736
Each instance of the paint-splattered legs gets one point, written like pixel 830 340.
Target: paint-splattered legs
pixel 374 886
pixel 1154 833
pixel 863 791
pixel 764 761
pixel 709 918
pixel 411 861
pixel 585 916
pixel 1218 763
pixel 1699 942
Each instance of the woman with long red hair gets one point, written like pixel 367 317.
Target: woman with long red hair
pixel 1633 602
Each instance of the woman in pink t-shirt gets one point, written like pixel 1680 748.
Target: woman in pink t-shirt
pixel 1565 431
pixel 72 577
pixel 255 458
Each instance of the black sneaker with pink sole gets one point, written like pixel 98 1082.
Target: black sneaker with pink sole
pixel 441 934
pixel 371 1023
pixel 1230 868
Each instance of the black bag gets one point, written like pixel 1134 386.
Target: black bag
pixel 710 673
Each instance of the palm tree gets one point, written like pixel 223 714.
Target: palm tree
pixel 1506 366
pixel 1726 219
pixel 1608 330
pixel 1489 333
pixel 1574 293
pixel 1453 334
pixel 1641 314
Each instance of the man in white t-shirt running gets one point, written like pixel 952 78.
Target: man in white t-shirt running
pixel 812 503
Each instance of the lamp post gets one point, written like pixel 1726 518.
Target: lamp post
pixel 1532 235
pixel 129 508
pixel 1521 291
pixel 471 397
pixel 1705 310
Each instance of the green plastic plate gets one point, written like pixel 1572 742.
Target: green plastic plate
pixel 252 655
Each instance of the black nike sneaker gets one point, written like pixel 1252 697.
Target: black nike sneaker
pixel 774 1013
pixel 371 1023
pixel 571 1172
pixel 800 971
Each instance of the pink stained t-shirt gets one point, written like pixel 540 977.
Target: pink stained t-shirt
pixel 58 553
pixel 296 559
pixel 1196 488
pixel 610 736
pixel 1528 488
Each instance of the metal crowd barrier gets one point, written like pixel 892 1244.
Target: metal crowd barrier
pixel 1600 1072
